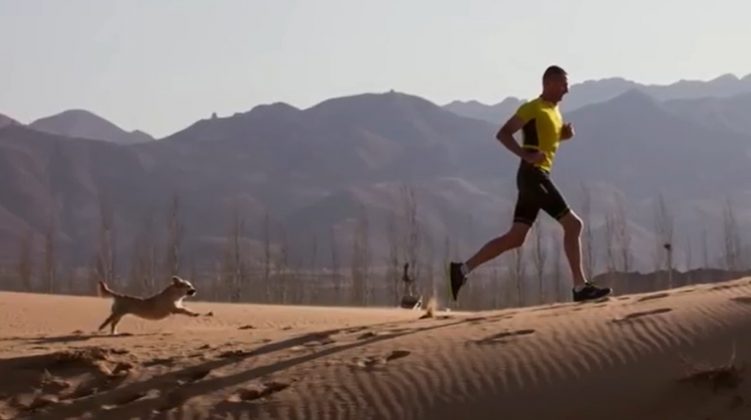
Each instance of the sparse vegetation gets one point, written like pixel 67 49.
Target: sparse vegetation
pixel 269 264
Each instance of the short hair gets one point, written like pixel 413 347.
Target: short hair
pixel 553 71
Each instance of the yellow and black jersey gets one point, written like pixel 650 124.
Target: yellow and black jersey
pixel 542 129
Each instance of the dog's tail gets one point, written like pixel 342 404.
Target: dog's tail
pixel 104 290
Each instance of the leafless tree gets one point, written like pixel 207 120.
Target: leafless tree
pixel 428 278
pixel 731 236
pixel 539 257
pixel 689 256
pixel 312 296
pixel 266 234
pixel 622 233
pixel 664 230
pixel 335 265
pixel 588 240
pixel 610 245
pixel 144 262
pixel 50 256
pixel 25 262
pixel 139 268
pixel 360 259
pixel 175 231
pixel 282 268
pixel 234 265
pixel 193 276
pixel 496 288
pixel 704 248
pixel 557 269
pixel 105 261
pixel 518 272
pixel 412 228
pixel 392 262
pixel 313 251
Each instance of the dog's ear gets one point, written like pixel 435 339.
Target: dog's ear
pixel 176 280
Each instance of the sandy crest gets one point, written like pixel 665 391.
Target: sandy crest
pixel 624 358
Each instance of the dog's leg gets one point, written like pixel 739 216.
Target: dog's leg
pixel 106 321
pixel 184 311
pixel 115 320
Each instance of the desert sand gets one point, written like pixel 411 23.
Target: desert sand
pixel 677 354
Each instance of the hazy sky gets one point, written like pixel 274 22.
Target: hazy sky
pixel 160 65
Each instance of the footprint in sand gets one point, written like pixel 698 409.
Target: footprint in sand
pixel 476 319
pixel 82 391
pixel 652 297
pixel 636 315
pixel 122 368
pixel 52 384
pixel 194 376
pixel 170 401
pixel 259 391
pixel 124 400
pixel 233 353
pixel 246 327
pixel 131 398
pixel 500 338
pixel 322 342
pixel 43 401
pixel 742 299
pixel 397 354
pixel 354 330
pixel 724 287
pixel 581 308
pixel 367 335
pixel 370 362
pixel 166 361
pixel 487 319
pixel 400 330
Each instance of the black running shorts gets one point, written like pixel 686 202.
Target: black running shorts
pixel 536 191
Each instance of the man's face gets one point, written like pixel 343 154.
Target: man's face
pixel 557 86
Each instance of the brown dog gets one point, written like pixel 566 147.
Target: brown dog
pixel 165 303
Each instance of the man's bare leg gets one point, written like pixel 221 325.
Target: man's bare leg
pixel 572 227
pixel 514 238
pixel 511 239
pixel 583 290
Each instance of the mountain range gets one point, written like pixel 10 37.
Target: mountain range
pixel 596 91
pixel 313 173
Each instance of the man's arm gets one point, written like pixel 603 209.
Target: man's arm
pixel 506 137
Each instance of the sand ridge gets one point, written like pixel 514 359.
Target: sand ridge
pixel 640 356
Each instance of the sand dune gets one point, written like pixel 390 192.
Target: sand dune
pixel 673 354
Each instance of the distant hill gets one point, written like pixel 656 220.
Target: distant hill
pixel 312 172
pixel 597 91
pixel 5 121
pixel 87 125
pixel 722 113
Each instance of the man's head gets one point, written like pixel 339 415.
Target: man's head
pixel 554 84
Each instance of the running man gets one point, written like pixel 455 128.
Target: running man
pixel 543 129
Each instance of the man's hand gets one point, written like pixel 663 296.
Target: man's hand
pixel 567 131
pixel 533 156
